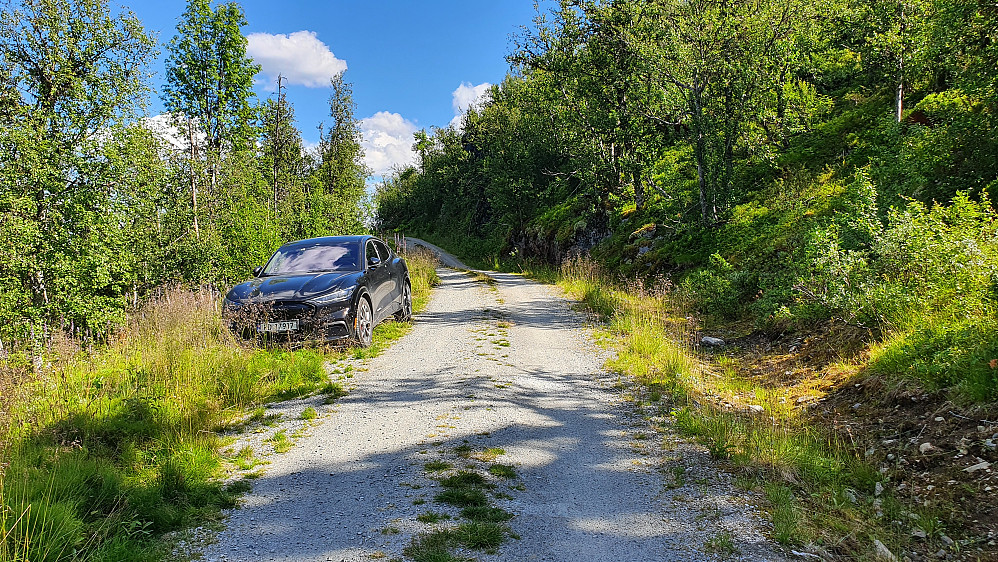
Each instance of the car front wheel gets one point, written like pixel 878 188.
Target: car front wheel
pixel 363 323
pixel 404 313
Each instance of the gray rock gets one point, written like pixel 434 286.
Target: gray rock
pixel 711 341
pixel 850 495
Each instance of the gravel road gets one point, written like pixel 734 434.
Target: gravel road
pixel 493 374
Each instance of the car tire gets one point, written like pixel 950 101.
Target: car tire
pixel 363 323
pixel 404 313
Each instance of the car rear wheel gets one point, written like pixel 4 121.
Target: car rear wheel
pixel 363 323
pixel 404 313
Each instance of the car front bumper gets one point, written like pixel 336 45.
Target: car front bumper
pixel 322 323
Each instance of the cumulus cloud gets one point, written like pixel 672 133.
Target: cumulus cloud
pixel 467 96
pixel 300 57
pixel 162 126
pixel 387 142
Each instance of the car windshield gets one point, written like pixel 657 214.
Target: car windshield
pixel 311 259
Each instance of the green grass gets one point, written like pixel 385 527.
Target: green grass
pixel 434 547
pixel 785 514
pixel 437 466
pixel 462 497
pixel 423 275
pixel 481 534
pixel 432 517
pixel 943 353
pixel 309 413
pixel 484 528
pixel 332 391
pixel 486 514
pixel 438 546
pixel 113 446
pixel 800 468
pixel 464 479
pixel 281 442
pixel 245 459
pixel 489 454
pixel 720 544
pixel 503 471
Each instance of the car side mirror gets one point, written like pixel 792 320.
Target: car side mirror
pixel 257 271
pixel 373 262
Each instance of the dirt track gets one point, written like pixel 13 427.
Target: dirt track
pixel 506 375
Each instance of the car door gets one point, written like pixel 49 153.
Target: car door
pixel 379 281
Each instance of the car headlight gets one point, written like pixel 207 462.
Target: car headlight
pixel 335 296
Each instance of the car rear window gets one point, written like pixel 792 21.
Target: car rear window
pixel 312 259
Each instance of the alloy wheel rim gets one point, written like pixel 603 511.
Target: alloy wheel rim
pixel 364 322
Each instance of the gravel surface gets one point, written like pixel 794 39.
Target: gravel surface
pixel 505 374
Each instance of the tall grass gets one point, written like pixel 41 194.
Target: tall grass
pixel 103 450
pixel 800 468
pixel 423 275
pixel 110 447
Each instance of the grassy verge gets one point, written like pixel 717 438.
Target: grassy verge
pixel 823 493
pixel 102 451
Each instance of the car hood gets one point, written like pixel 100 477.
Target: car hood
pixel 291 287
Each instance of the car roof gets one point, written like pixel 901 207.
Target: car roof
pixel 329 241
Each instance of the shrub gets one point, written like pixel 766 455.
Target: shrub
pixel 928 279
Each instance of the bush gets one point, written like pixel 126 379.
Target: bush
pixel 939 260
pixel 720 290
pixel 928 279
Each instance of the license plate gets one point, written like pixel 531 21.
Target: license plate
pixel 284 326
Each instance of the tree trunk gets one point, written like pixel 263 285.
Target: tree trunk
pixel 900 92
pixel 194 181
pixel 639 192
pixel 700 155
pixel 900 99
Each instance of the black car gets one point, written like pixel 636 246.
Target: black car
pixel 323 289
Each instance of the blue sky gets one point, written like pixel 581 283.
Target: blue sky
pixel 411 63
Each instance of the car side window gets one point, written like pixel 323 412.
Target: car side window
pixel 371 252
pixel 383 250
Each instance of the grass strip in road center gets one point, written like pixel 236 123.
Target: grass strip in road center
pixel 484 525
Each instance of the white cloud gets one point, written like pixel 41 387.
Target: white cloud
pixel 300 57
pixel 387 142
pixel 162 126
pixel 309 146
pixel 467 96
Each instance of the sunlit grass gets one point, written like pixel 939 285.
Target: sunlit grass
pixel 104 450
pixel 750 423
